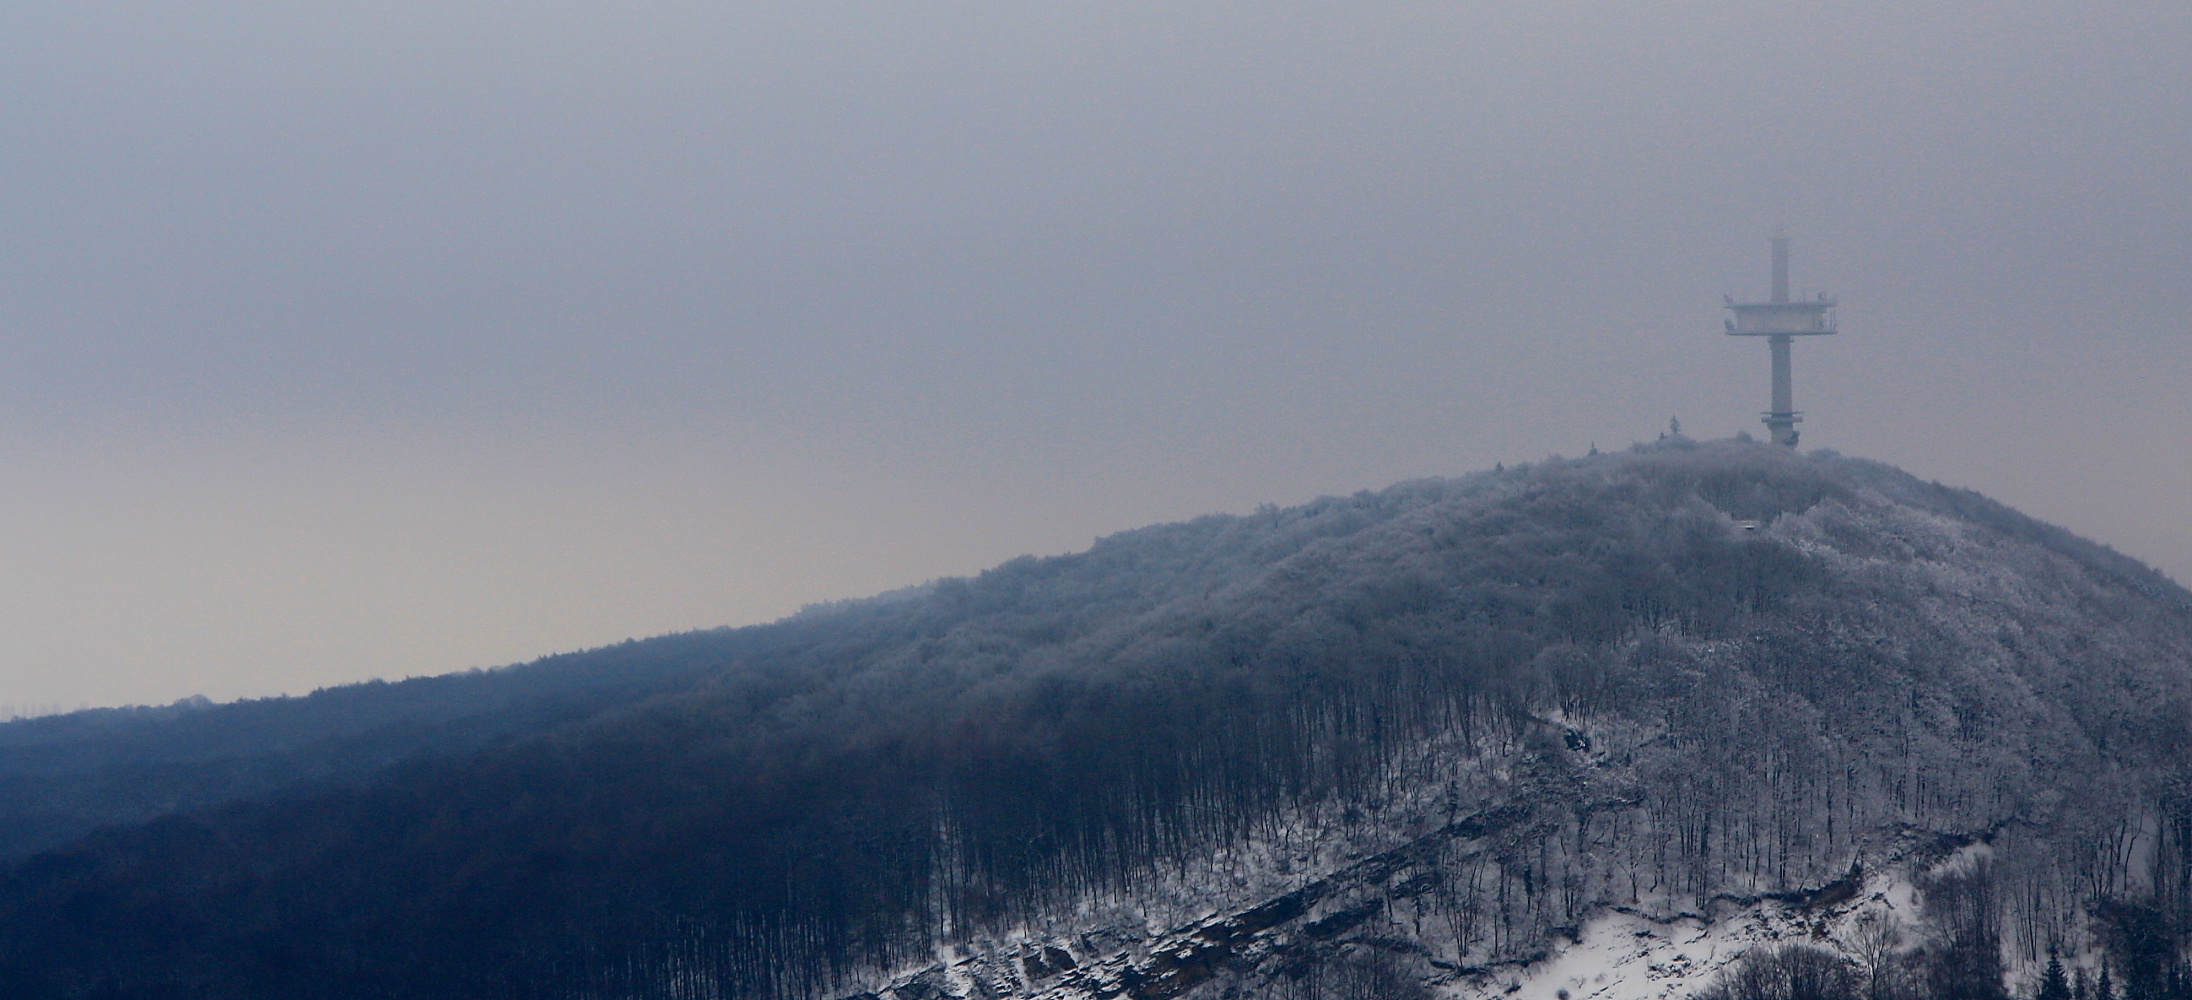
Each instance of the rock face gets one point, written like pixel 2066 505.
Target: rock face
pixel 1315 926
pixel 1590 725
pixel 1350 928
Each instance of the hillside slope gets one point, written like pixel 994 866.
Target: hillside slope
pixel 63 776
pixel 1557 692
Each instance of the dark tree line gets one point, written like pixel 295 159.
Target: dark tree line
pixel 62 776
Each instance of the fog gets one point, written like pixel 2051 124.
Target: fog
pixel 356 340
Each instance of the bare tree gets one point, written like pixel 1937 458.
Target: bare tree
pixel 1876 943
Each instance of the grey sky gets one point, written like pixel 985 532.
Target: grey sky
pixel 352 340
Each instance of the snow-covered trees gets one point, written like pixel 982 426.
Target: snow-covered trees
pixel 1673 710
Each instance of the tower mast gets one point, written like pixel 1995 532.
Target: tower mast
pixel 1781 420
pixel 1780 321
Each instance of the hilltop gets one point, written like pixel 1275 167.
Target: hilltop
pixel 1425 740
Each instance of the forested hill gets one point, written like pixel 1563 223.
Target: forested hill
pixel 1551 689
pixel 61 776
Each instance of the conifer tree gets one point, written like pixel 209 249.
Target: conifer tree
pixel 2105 989
pixel 2053 985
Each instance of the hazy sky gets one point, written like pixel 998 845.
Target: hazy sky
pixel 347 340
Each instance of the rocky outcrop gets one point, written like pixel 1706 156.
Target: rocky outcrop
pixel 1292 931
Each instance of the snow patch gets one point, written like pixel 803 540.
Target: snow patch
pixel 1628 954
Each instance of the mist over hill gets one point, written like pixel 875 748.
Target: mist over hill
pixel 1392 744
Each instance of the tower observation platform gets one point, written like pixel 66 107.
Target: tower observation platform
pixel 1781 321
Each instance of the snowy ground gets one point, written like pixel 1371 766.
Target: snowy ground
pixel 1626 955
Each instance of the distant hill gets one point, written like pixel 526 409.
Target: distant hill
pixel 1424 740
pixel 61 776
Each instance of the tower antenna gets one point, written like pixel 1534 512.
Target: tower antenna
pixel 1780 321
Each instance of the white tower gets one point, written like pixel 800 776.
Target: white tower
pixel 1780 321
